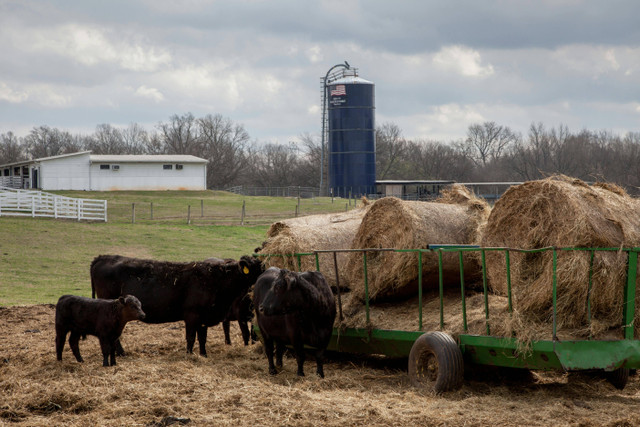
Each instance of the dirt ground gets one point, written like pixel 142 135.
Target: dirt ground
pixel 157 383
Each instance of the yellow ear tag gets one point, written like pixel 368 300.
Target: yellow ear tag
pixel 246 270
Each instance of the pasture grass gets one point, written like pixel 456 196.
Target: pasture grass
pixel 206 207
pixel 42 259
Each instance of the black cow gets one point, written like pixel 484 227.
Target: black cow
pixel 103 318
pixel 200 293
pixel 296 309
pixel 241 310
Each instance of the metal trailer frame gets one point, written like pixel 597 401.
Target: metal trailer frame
pixel 613 356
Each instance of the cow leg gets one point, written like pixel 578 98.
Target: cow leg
pixel 254 336
pixel 105 346
pixel 300 356
pixel 190 329
pixel 202 339
pixel 280 348
pixel 227 337
pixel 268 349
pixel 119 349
pixel 74 339
pixel 244 328
pixel 61 337
pixel 320 363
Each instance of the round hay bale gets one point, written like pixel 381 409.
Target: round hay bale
pixel 563 212
pixel 309 233
pixel 397 224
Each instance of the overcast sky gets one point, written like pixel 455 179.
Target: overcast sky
pixel 438 66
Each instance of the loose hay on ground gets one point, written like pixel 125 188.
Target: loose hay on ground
pixel 232 387
pixel 564 212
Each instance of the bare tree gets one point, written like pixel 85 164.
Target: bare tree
pixel 273 165
pixel 488 141
pixel 310 160
pixel 154 144
pixel 106 140
pixel 390 151
pixel 10 148
pixel 436 160
pixel 223 144
pixel 180 135
pixel 134 139
pixel 44 141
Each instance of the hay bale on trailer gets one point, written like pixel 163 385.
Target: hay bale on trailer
pixel 313 232
pixel 393 223
pixel 564 212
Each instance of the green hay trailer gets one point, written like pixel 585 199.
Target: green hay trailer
pixel 436 360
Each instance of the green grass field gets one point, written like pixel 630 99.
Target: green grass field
pixel 41 259
pixel 206 207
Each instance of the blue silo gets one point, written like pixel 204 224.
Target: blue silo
pixel 352 146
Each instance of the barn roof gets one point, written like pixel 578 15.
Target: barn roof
pixel 30 161
pixel 118 158
pixel 145 158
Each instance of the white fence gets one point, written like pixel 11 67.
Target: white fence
pixel 41 204
pixel 11 181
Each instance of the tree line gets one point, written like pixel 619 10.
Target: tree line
pixel 489 152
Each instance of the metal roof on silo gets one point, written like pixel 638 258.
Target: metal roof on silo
pixel 350 80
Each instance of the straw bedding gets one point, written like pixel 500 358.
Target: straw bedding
pixel 313 232
pixel 564 212
pixel 158 384
pixel 457 218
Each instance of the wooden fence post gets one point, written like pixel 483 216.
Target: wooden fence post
pixel 133 213
pixel 243 213
pixel 201 208
pixel 189 215
pixel 151 210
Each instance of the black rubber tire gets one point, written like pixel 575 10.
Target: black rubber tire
pixel 435 363
pixel 619 377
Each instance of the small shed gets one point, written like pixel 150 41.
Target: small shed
pixel 411 189
pixel 94 172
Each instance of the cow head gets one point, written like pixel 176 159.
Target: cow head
pixel 250 268
pixel 131 308
pixel 283 297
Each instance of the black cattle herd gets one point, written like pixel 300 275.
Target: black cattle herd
pixel 294 309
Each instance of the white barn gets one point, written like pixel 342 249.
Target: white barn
pixel 94 172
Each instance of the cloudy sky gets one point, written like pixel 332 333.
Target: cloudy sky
pixel 438 66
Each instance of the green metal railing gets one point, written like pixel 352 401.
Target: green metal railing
pixel 502 351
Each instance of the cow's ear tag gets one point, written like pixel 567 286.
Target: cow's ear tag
pixel 245 270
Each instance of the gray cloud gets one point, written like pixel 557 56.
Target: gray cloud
pixel 438 66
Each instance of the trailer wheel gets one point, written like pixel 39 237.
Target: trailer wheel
pixel 619 377
pixel 435 363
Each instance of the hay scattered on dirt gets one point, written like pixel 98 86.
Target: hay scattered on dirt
pixel 157 381
pixel 394 223
pixel 314 232
pixel 564 212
